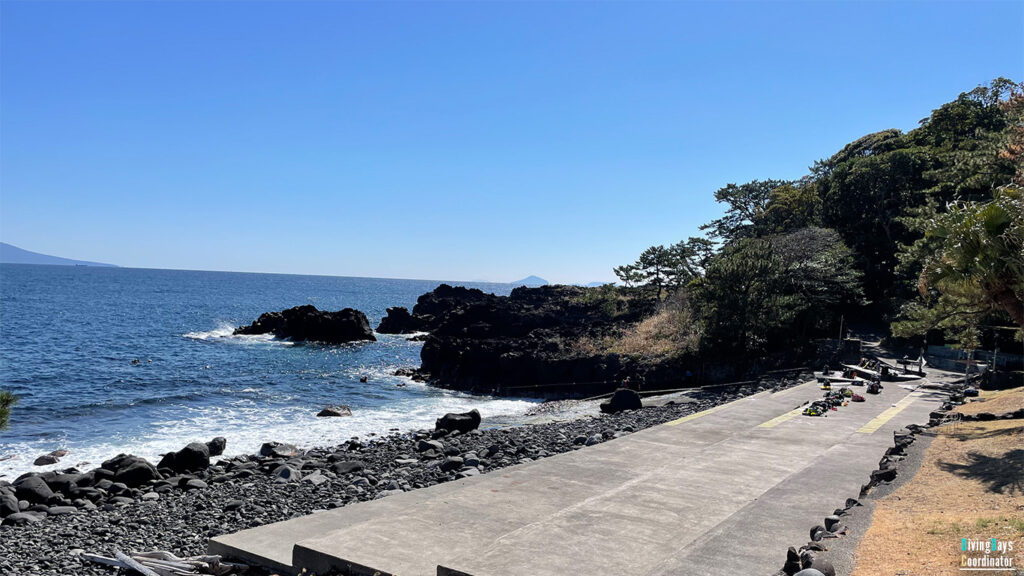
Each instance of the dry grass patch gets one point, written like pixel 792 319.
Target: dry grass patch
pixel 996 402
pixel 671 330
pixel 970 485
pixel 667 332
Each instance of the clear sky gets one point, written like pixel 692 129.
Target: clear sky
pixel 444 140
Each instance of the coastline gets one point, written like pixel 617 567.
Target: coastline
pixel 247 491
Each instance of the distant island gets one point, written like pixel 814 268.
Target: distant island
pixel 13 255
pixel 530 281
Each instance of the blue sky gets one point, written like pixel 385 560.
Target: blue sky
pixel 453 140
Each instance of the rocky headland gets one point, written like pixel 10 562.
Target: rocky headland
pixel 536 342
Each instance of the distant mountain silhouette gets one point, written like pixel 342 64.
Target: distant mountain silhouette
pixel 531 281
pixel 14 255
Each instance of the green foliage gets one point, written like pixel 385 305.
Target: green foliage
pixel 790 207
pixel 763 294
pixel 877 190
pixel 974 266
pixel 937 208
pixel 747 203
pixel 7 400
pixel 865 189
pixel 660 270
pixel 607 299
pixel 740 298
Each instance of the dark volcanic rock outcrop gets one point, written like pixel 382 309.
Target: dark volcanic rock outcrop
pixel 623 399
pixel 306 323
pixel 459 422
pixel 400 321
pixel 433 309
pixel 525 344
pixel 191 458
pixel 130 470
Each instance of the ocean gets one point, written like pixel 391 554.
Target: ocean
pixel 112 360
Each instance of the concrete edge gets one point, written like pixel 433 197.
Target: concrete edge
pixel 228 551
pixel 317 562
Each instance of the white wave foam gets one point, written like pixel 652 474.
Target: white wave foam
pixel 247 425
pixel 225 331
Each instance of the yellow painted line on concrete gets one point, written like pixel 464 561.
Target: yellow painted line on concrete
pixel 780 419
pixel 696 415
pixel 877 422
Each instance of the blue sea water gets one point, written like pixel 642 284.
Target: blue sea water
pixel 70 335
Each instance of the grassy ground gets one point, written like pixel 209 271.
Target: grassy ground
pixel 997 403
pixel 970 485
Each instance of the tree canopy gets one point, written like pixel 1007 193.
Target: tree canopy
pixel 920 227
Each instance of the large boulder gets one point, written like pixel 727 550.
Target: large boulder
pixel 8 503
pixel 279 450
pixel 622 399
pixel 64 482
pixel 334 411
pixel 129 470
pixel 46 460
pixel 192 458
pixel 216 446
pixel 459 422
pixel 33 489
pixel 306 323
pixel 399 321
pixel 138 473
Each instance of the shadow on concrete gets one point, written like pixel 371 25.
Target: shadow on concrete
pixel 1001 474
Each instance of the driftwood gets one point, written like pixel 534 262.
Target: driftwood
pixel 131 563
pixel 162 563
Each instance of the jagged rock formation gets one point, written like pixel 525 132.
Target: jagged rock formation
pixel 306 323
pixel 523 344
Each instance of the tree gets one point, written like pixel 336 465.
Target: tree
pixel 975 265
pixel 654 264
pixel 687 260
pixel 966 137
pixel 629 275
pixel 662 270
pixel 747 202
pixel 820 268
pixel 881 191
pixel 864 190
pixel 7 400
pixel 764 294
pixel 791 207
pixel 741 299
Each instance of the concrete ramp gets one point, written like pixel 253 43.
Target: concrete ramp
pixel 724 491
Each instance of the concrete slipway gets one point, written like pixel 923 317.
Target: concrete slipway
pixel 721 492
